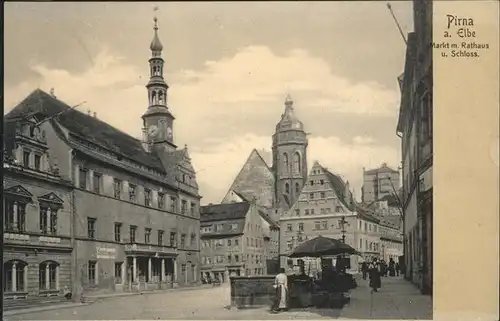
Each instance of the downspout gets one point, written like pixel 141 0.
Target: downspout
pixel 75 284
pixel 405 255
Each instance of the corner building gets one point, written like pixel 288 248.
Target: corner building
pixel 136 203
pixel 37 249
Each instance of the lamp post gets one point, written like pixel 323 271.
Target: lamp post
pixel 343 224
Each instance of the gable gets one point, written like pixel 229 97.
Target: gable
pixel 255 181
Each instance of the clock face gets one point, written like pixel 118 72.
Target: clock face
pixel 169 132
pixel 153 130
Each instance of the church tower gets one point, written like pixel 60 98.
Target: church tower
pixel 158 120
pixel 289 157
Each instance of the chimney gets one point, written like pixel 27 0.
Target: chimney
pixel 144 140
pixel 95 114
pixel 88 112
pixel 52 92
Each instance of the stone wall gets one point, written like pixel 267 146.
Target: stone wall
pixel 252 291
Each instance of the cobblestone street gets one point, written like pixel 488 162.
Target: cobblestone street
pixel 396 300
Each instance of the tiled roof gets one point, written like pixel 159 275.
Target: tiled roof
pixel 87 127
pixel 391 200
pixel 339 187
pixel 366 214
pixel 220 212
pixel 393 221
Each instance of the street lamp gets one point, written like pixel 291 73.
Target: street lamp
pixel 343 224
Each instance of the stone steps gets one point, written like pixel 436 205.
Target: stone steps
pixel 34 301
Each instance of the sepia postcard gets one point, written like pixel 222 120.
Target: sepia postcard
pixel 250 160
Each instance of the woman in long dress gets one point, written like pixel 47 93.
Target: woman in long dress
pixel 281 286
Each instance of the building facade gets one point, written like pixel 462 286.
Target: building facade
pixel 379 183
pixel 415 129
pixel 37 202
pixel 233 241
pixel 136 218
pixel 326 207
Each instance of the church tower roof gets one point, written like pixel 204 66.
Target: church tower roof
pixel 156 46
pixel 289 120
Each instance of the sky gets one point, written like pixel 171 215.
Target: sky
pixel 229 66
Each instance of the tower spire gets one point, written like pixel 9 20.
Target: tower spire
pixel 156 46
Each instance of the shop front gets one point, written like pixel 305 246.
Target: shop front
pixel 150 268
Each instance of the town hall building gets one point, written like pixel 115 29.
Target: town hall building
pixel 116 213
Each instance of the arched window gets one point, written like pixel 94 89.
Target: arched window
pixel 160 97
pixel 287 188
pixel 48 278
pixel 153 98
pixel 297 188
pixel 296 162
pixel 15 273
pixel 285 162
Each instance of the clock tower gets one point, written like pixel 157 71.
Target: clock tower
pixel 158 121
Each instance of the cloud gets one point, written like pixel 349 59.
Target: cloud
pixel 230 106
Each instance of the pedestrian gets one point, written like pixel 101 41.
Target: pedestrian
pixel 364 269
pixel 392 271
pixel 281 286
pixel 374 272
pixel 396 266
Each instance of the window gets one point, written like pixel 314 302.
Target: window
pixel 83 177
pixel 118 230
pixel 147 235
pixel 193 208
pixel 289 227
pixel 91 226
pixel 289 245
pixel 38 162
pixel 324 225
pixel 296 163
pixel 228 242
pixel 48 220
pixel 161 200
pixel 236 242
pixel 360 244
pixel 26 159
pixel 297 212
pixel 47 276
pixel 287 188
pixel 322 182
pixel 183 207
pixel 306 212
pixel 131 192
pixel 117 186
pixel 97 182
pixel 173 239
pixel 15 216
pixel 323 195
pixel 118 272
pixel 311 182
pixel 236 258
pixel 311 196
pixel 219 227
pixel 193 240
pixel 360 225
pixel 317 225
pixel 366 226
pixel 92 272
pixel 183 241
pixel 160 237
pixel 147 197
pixel 301 227
pixel 297 188
pixel 173 204
pixel 132 231
pixel 248 242
pixel 285 162
pixel 234 226
pixel 312 211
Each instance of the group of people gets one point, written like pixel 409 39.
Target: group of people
pixel 376 269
